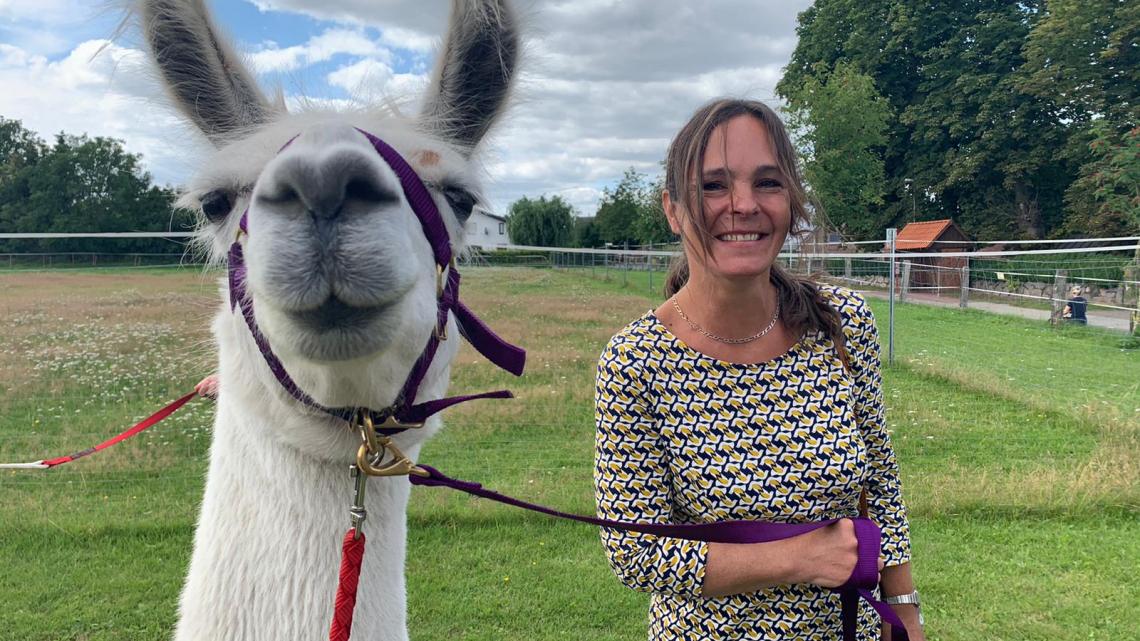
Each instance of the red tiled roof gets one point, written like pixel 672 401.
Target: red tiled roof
pixel 921 235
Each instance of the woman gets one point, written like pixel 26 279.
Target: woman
pixel 749 394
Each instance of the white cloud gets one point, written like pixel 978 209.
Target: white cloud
pixel 604 85
pixel 321 48
pixel 371 81
pixel 100 95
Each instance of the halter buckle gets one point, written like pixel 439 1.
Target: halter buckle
pixel 374 448
pixel 440 285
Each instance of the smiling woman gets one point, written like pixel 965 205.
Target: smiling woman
pixel 749 395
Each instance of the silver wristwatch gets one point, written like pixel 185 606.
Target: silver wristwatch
pixel 908 599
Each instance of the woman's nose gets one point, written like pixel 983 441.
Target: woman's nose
pixel 743 199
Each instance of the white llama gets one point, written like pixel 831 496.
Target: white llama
pixel 344 286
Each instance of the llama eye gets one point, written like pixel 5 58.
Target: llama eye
pixel 461 201
pixel 216 205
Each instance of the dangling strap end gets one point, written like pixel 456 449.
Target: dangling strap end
pixel 488 343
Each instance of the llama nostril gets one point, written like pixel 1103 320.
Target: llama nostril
pixel 367 191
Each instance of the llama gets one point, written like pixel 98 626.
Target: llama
pixel 343 284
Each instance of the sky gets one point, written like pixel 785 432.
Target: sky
pixel 603 87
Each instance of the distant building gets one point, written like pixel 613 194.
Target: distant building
pixel 486 230
pixel 929 237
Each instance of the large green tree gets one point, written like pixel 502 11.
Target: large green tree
pixel 1086 56
pixel 841 121
pixel 651 226
pixel 542 222
pixel 976 145
pixel 80 184
pixel 620 209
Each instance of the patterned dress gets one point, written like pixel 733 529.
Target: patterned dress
pixel 686 438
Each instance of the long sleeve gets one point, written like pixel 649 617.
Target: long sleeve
pixel 632 483
pixel 882 481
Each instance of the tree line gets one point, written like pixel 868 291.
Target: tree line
pixel 1018 120
pixel 80 184
pixel 628 215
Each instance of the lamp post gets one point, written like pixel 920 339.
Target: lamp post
pixel 910 187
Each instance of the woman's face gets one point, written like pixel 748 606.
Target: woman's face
pixel 746 206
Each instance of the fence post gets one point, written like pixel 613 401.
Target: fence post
pixel 847 268
pixel 964 286
pixel 1130 294
pixel 905 285
pixel 649 262
pixel 1058 296
pixel 892 233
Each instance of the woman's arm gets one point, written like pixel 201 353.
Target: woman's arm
pixel 632 482
pixel 884 490
pixel 825 557
pixel 894 581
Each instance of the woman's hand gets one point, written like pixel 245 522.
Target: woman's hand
pixel 208 387
pixel 828 555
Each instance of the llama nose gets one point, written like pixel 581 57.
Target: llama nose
pixel 326 186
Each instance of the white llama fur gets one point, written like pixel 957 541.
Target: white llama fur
pixel 267 546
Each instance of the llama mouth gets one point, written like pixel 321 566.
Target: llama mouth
pixel 336 315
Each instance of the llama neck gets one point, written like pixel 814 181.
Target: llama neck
pixel 276 508
pixel 267 548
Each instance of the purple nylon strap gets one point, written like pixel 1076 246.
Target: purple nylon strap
pixel 405 410
pixel 864 578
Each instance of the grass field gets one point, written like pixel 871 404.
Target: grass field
pixel 1019 446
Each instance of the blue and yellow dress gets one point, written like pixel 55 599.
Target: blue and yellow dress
pixel 685 438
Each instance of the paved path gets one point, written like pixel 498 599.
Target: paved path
pixel 1116 319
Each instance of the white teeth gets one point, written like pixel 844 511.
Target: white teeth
pixel 731 237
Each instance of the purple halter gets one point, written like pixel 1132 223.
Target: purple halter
pixel 404 412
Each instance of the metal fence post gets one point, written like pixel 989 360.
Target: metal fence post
pixel 1059 298
pixel 964 286
pixel 905 285
pixel 891 234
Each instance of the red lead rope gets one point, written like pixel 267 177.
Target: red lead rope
pixel 351 557
pixel 138 427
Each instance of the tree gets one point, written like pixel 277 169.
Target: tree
pixel 621 208
pixel 1106 196
pixel 541 222
pixel 80 184
pixel 842 122
pixel 651 226
pixel 586 233
pixel 1083 53
pixel 977 147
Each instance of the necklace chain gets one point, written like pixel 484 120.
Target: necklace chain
pixel 720 339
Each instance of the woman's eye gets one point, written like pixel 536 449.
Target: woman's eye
pixel 713 186
pixel 217 204
pixel 462 201
pixel 769 184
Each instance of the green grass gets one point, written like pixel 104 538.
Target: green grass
pixel 1018 444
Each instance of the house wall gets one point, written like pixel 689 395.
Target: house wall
pixel 484 230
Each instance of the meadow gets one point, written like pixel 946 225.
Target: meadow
pixel 1019 446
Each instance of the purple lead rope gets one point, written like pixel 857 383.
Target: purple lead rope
pixel 863 580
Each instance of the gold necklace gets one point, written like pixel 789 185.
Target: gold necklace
pixel 720 339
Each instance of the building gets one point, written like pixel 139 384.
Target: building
pixel 932 273
pixel 486 230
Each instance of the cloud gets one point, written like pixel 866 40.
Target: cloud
pixel 604 86
pixel 99 89
pixel 370 81
pixel 321 48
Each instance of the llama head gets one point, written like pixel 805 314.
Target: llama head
pixel 339 268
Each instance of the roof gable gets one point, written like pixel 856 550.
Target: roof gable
pixel 923 234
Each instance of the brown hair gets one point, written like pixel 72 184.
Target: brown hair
pixel 802 307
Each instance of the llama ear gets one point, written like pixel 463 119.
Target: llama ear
pixel 473 75
pixel 201 70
